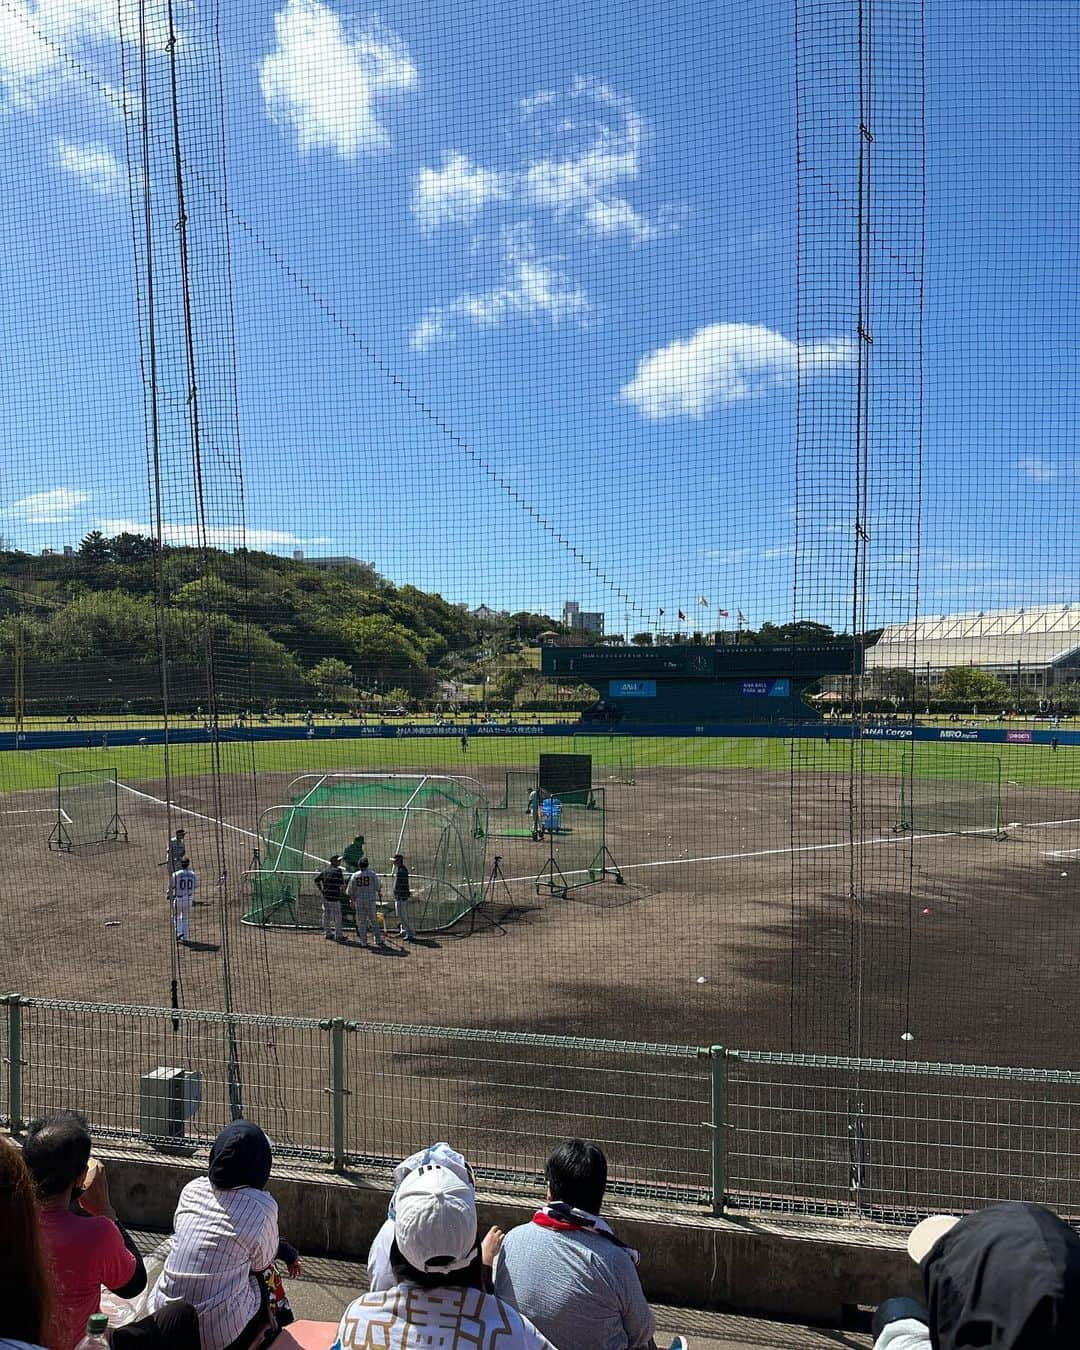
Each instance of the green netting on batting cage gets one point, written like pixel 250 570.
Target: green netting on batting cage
pixel 968 804
pixel 86 809
pixel 577 850
pixel 440 825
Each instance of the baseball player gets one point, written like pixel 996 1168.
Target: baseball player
pixel 330 883
pixel 177 852
pixel 364 889
pixel 182 887
pixel 533 810
pixel 352 853
pixel 401 898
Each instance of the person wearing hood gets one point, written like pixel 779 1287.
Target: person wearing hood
pixel 226 1233
pixel 1006 1277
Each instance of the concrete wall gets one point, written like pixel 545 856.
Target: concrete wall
pixel 799 1269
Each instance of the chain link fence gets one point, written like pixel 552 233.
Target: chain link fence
pixel 727 1129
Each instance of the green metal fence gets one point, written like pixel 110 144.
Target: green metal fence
pixel 716 1127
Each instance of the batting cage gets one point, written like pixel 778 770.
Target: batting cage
pixel 86 809
pixel 439 825
pixel 968 805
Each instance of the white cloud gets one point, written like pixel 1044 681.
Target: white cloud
pixel 532 288
pixel 51 507
pixel 38 37
pixel 93 163
pixel 592 138
pixel 1038 470
pixel 326 77
pixel 456 193
pixel 605 132
pixel 215 536
pixel 722 363
pixel 428 331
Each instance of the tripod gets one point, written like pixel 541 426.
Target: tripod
pixel 495 881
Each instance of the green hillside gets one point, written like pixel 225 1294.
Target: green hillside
pixel 242 627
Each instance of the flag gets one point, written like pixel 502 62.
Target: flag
pixel 742 616
pixel 702 601
pixel 681 614
pixel 661 613
pixel 723 613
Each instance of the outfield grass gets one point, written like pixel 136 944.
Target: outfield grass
pixel 1028 765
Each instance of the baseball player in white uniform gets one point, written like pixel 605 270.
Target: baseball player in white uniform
pixel 182 887
pixel 364 889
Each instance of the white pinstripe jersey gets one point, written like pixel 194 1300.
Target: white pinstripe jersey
pixel 222 1239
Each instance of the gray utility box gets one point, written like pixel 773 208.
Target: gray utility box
pixel 168 1097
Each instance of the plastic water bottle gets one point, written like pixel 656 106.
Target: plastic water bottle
pixel 96 1328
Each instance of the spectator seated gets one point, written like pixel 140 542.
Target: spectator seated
pixel 567 1271
pixel 1006 1277
pixel 86 1245
pixel 226 1240
pixel 437 1297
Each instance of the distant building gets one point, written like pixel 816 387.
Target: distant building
pixel 579 620
pixel 487 613
pixel 332 564
pixel 1034 648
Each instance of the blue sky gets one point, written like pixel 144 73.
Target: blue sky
pixel 486 249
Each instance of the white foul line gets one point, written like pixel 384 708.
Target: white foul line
pixel 903 837
pixel 888 839
pixel 35 811
pixel 186 811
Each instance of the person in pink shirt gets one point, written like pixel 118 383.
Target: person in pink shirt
pixel 87 1246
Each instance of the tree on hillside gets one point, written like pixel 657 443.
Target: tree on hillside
pixel 384 649
pixel 130 549
pixel 333 679
pixel 94 549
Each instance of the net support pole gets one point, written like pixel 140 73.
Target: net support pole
pixel 718 1123
pixel 337 1091
pixel 15 1062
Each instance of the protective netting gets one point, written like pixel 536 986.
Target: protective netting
pixel 87 811
pixel 578 854
pixel 440 826
pixel 956 805
pixel 360 364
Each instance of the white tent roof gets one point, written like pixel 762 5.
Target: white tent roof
pixel 1037 635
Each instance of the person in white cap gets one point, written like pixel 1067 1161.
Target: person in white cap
pixel 437 1302
pixel 380 1271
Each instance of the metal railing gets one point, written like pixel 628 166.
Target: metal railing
pixel 711 1126
pixel 369 1093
